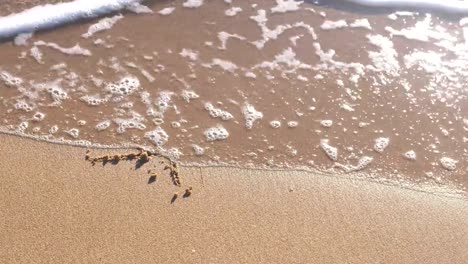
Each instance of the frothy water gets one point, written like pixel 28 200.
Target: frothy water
pixel 277 84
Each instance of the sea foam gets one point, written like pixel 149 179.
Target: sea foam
pixel 50 16
pixel 449 6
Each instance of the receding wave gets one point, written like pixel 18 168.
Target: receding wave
pixel 50 16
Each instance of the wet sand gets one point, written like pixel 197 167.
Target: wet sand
pixel 334 99
pixel 57 208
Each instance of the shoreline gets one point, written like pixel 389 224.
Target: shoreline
pixel 446 189
pixel 58 208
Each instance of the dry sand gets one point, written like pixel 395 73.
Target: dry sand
pixel 57 208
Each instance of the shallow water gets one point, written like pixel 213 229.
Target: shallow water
pixel 263 85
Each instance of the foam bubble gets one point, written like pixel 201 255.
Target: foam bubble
pixel 410 155
pixel 10 80
pixel 283 6
pixel 125 86
pixel 232 11
pixel 93 100
pixel 380 144
pixel 158 136
pixel 199 151
pixel 331 152
pixel 363 162
pixel 23 126
pixel 361 23
pixel 22 39
pixel 328 25
pixel 74 132
pixel 216 133
pixel 448 163
pixel 49 16
pixel 223 64
pixel 101 25
pixel 132 123
pixel 36 53
pixel 38 116
pixel 103 125
pixel 166 11
pixel 190 54
pixel 53 129
pixel 163 101
pixel 293 124
pixel 75 50
pixel 275 124
pixel 446 6
pixel 326 123
pixel 188 95
pixel 193 3
pixel 251 115
pixel 57 93
pixel 216 112
pixel 224 37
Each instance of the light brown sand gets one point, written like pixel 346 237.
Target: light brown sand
pixel 56 208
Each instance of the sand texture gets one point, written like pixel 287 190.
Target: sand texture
pixel 57 208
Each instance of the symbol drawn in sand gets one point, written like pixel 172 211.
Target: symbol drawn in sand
pixel 142 157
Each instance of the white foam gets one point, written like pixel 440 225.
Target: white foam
pixel 331 151
pixel 93 100
pixel 272 34
pixel 53 129
pixel 232 11
pixel 448 163
pixel 216 112
pixel 73 132
pixel 190 54
pixel 166 11
pixel 285 61
pixel 363 162
pixel 275 124
pixel 188 95
pixel 216 133
pixel 103 125
pixel 422 31
pixel 410 155
pixel 139 8
pixel 193 3
pixel 36 53
pixel 10 80
pixel 328 24
pixel 251 115
pixel 136 122
pixel 361 23
pixel 451 6
pixel 326 123
pixel 23 105
pixel 22 39
pixel 386 59
pixel 38 116
pixel 101 25
pixel 125 86
pixel 57 93
pixel 293 124
pixel 158 136
pixel 75 50
pixel 224 37
pixel 223 64
pixel 49 16
pixel 23 126
pixel 380 144
pixel 199 151
pixel 283 6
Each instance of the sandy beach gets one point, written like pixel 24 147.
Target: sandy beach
pixel 316 132
pixel 57 208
